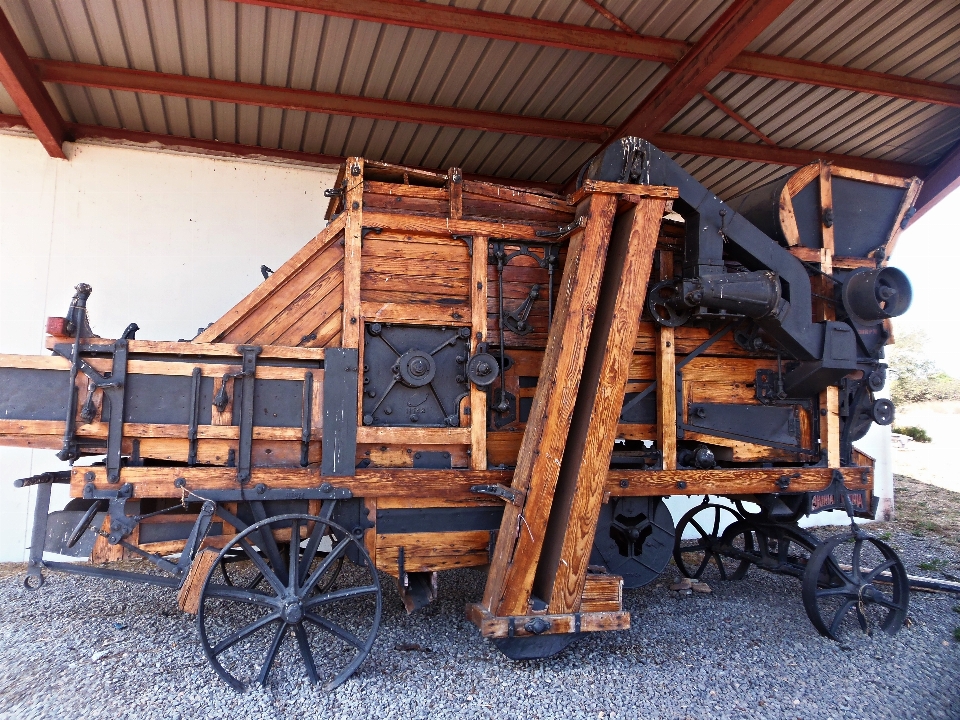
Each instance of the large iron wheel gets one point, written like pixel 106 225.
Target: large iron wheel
pixel 855 579
pixel 693 556
pixel 243 624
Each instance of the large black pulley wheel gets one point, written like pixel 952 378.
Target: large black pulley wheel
pixel 285 580
pixel 855 582
pixel 695 554
pixel 634 539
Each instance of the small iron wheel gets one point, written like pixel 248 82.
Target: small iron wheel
pixel 855 579
pixel 694 555
pixel 332 611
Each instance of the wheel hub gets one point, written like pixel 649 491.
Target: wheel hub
pixel 291 611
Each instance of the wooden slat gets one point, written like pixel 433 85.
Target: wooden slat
pixel 353 199
pixel 623 294
pixel 447 227
pixel 415 313
pixel 431 552
pixel 373 187
pixel 872 177
pixel 264 290
pixel 520 540
pixel 413 435
pixel 188 597
pixel 513 195
pixel 740 481
pixel 602 592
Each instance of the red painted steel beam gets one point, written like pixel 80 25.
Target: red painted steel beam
pixel 499 26
pixel 793 157
pixel 739 24
pixel 20 80
pixel 143 81
pixel 600 9
pixel 736 117
pixel 269 96
pixel 940 182
pixel 668 142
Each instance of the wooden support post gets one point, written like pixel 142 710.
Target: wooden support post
pixel 478 316
pixel 353 207
pixel 455 191
pixel 830 397
pixel 510 580
pixel 590 443
pixel 666 380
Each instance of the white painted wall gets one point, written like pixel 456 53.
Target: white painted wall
pixel 168 241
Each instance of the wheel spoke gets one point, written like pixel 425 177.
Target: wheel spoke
pixel 336 552
pixel 716 522
pixel 262 566
pixel 703 533
pixel 881 600
pixel 836 592
pixel 719 560
pixel 838 618
pixel 336 595
pixel 268 543
pixel 857 548
pixel 239 635
pixel 223 571
pixel 293 574
pixel 334 629
pixel 304 642
pixel 310 551
pixel 873 574
pixel 248 597
pixel 272 653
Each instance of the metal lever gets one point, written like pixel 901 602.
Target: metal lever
pixel 516 321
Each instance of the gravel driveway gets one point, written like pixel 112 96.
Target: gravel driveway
pixel 90 649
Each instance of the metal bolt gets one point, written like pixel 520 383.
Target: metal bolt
pixel 682 484
pixel 624 483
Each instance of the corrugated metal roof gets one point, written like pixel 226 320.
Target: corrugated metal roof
pixel 239 42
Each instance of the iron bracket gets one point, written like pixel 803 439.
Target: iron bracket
pixel 514 497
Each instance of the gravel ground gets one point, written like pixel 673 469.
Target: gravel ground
pixel 87 648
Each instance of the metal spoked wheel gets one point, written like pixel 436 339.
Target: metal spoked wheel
pixel 855 581
pixel 332 611
pixel 694 556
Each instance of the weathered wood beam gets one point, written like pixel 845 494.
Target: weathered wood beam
pixel 739 24
pixel 20 79
pixel 939 182
pixel 499 26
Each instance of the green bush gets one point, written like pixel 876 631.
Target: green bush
pixel 914 377
pixel 917 433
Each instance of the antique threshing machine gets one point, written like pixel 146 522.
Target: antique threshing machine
pixel 458 374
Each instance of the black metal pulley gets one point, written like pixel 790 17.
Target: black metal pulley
pixel 665 304
pixel 483 369
pixel 634 539
pixel 871 295
pixel 882 412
